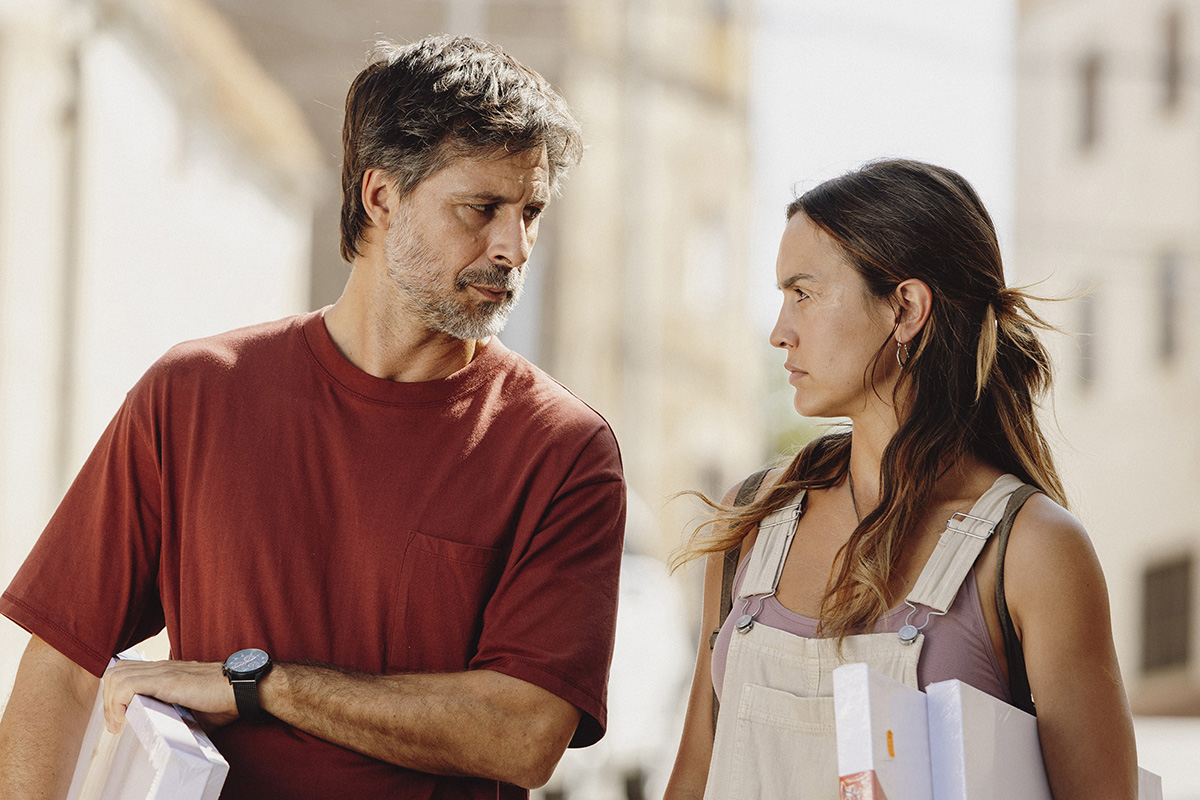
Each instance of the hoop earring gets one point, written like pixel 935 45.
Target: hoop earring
pixel 901 346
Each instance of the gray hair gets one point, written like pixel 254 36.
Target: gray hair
pixel 415 108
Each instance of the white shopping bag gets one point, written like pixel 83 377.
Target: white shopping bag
pixel 882 737
pixel 160 754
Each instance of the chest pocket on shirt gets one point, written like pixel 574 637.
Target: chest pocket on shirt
pixel 443 590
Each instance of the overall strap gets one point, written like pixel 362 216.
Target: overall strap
pixel 745 495
pixel 959 546
pixel 1018 679
pixel 775 533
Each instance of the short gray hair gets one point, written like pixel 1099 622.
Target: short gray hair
pixel 415 108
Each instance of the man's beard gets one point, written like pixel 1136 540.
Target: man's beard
pixel 412 265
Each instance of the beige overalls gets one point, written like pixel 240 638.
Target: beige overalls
pixel 775 734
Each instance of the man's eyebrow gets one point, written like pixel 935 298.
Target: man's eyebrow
pixel 482 198
pixel 493 198
pixel 792 280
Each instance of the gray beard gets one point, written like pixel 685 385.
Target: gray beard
pixel 411 266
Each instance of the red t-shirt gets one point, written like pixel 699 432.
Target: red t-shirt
pixel 258 490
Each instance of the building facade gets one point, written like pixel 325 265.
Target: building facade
pixel 1108 212
pixel 155 186
pixel 636 298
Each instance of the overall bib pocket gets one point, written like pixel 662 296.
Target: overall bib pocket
pixel 781 746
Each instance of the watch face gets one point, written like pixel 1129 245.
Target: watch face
pixel 246 661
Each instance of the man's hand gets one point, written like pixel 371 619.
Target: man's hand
pixel 201 687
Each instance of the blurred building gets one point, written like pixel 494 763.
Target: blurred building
pixel 637 293
pixel 155 186
pixel 159 182
pixel 1109 201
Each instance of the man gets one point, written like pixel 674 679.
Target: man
pixel 421 529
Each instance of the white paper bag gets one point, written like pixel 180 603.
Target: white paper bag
pixel 882 737
pixel 160 754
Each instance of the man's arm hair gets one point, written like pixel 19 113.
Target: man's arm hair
pixel 480 723
pixel 44 723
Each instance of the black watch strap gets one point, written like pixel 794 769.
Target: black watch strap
pixel 245 694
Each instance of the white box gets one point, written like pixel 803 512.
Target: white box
pixel 882 737
pixel 1149 785
pixel 982 748
pixel 160 754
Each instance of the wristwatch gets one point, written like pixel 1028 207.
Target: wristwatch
pixel 245 669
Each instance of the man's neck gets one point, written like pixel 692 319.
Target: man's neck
pixel 369 326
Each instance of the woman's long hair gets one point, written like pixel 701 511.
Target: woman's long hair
pixel 971 381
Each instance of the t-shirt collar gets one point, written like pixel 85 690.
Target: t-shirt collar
pixel 488 358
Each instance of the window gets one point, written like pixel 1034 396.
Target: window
pixel 1090 73
pixel 1172 64
pixel 1166 614
pixel 1169 274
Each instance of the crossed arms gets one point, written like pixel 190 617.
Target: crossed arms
pixel 480 723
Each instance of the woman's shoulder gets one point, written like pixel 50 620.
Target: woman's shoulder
pixel 772 476
pixel 1050 557
pixel 1043 527
pixel 770 479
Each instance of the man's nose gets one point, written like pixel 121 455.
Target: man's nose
pixel 512 240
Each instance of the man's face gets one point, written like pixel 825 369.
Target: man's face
pixel 458 244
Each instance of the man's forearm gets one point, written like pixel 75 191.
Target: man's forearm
pixel 481 723
pixel 44 723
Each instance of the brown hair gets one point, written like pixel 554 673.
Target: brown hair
pixel 415 108
pixel 973 377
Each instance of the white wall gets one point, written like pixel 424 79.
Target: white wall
pixel 181 233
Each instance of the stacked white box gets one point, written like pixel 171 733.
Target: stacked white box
pixel 982 748
pixel 976 747
pixel 160 754
pixel 882 736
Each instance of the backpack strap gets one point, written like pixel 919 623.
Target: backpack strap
pixel 745 495
pixel 1018 678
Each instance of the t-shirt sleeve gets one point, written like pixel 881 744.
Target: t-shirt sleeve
pixel 552 618
pixel 89 586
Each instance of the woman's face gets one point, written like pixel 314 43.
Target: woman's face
pixel 830 326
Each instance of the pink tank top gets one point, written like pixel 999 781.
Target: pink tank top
pixel 957 645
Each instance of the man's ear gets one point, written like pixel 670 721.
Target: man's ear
pixel 914 302
pixel 379 197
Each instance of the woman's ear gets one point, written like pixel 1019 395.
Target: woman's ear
pixel 914 302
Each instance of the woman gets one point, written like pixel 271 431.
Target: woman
pixel 895 315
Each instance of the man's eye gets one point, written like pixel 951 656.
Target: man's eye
pixel 800 295
pixel 482 208
pixel 533 212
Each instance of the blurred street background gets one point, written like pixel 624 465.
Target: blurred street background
pixel 169 169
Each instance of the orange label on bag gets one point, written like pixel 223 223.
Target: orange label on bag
pixel 891 746
pixel 860 786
